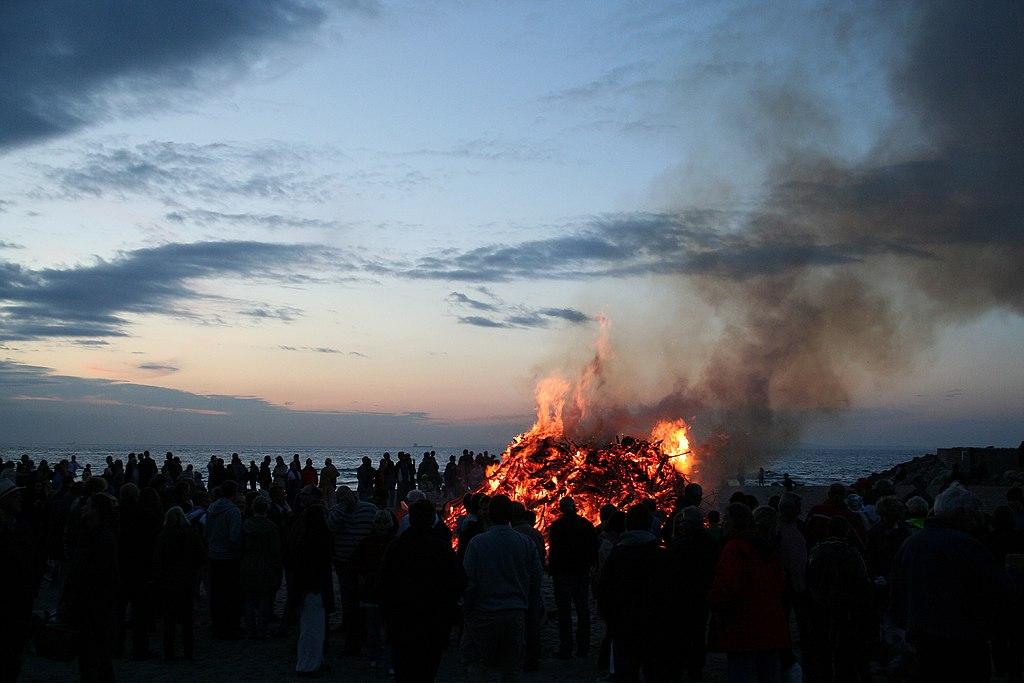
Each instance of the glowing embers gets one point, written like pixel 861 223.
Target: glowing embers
pixel 542 466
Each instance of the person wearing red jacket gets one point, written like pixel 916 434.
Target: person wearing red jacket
pixel 747 593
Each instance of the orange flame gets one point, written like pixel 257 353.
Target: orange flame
pixel 671 437
pixel 544 464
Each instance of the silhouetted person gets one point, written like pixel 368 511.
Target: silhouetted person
pixel 503 576
pixel 140 520
pixel 19 577
pixel 747 600
pixel 223 540
pixel 630 593
pixel 260 569
pixel 947 591
pixel 523 521
pixel 90 594
pixel 834 506
pixel 840 608
pixel 365 475
pixel 419 586
pixel 573 553
pixel 691 564
pixel 177 559
pixel 314 588
pixel 309 474
pixel 368 558
pixel 350 522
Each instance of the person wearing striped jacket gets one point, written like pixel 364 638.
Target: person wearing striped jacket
pixel 350 521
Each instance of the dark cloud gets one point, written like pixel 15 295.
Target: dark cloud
pixel 510 315
pixel 271 221
pixel 10 245
pixel 92 300
pixel 68 64
pixel 158 367
pixel 637 244
pixel 283 313
pixel 172 170
pixel 480 321
pixel 461 299
pixel 323 349
pixel 568 314
pixel 37 405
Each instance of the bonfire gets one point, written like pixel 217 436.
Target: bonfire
pixel 545 464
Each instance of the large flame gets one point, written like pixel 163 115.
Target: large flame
pixel 552 460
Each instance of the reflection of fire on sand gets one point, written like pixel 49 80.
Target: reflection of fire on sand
pixel 545 464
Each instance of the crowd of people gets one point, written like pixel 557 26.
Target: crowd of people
pixel 919 587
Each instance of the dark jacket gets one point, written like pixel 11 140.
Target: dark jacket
pixel 573 546
pixel 630 590
pixel 691 565
pixel 261 556
pixel 177 559
pixel 947 585
pixel 367 560
pixel 419 585
pixel 312 569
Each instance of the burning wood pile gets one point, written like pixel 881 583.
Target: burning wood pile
pixel 539 470
pixel 556 458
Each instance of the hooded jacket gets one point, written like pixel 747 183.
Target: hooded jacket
pixel 223 530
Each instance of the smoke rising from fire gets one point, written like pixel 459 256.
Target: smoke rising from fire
pixel 849 263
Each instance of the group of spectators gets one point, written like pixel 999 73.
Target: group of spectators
pixel 916 586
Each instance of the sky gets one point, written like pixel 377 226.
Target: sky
pixel 368 222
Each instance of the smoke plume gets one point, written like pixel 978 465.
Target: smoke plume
pixel 851 267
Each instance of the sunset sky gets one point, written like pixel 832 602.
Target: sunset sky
pixel 368 222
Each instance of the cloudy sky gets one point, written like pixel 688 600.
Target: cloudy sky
pixel 373 222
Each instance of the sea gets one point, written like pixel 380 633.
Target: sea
pixel 809 465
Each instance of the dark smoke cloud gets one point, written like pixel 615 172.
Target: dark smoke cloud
pixel 70 64
pixel 931 229
pixel 850 263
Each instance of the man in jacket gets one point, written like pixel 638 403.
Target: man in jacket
pixel 630 593
pixel 573 543
pixel 947 589
pixel 223 541
pixel 503 576
pixel 350 521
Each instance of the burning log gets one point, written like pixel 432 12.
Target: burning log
pixel 539 468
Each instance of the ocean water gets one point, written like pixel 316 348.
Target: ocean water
pixel 806 464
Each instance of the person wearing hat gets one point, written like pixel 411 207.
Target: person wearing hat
pixel 18 578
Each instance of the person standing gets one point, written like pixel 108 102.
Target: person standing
pixel 630 593
pixel 328 480
pixel 573 553
pixel 947 591
pixel 90 593
pixel 365 475
pixel 314 588
pixel 18 576
pixel 503 574
pixel 350 521
pixel 223 540
pixel 368 558
pixel 418 587
pixel 260 571
pixel 691 564
pixel 177 559
pixel 747 601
